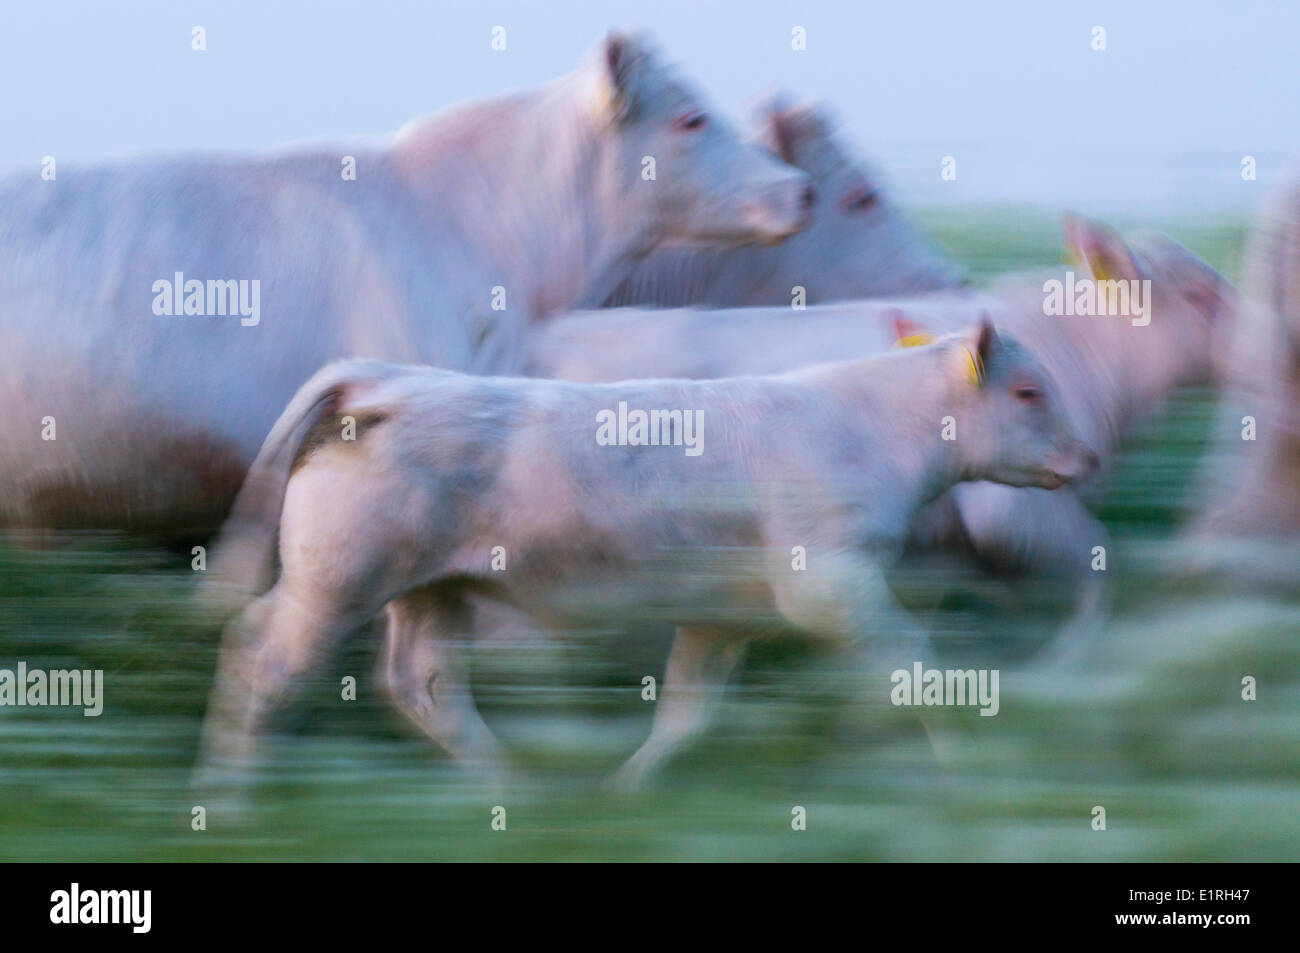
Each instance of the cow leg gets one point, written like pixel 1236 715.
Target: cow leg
pixel 266 652
pixel 1050 536
pixel 1071 646
pixel 844 598
pixel 427 674
pixel 699 664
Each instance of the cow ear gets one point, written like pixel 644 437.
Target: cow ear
pixel 1211 294
pixel 788 130
pixel 978 351
pixel 624 59
pixel 1208 291
pixel 1099 249
pixel 769 110
pixel 908 333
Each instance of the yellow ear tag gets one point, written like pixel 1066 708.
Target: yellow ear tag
pixel 975 368
pixel 1095 267
pixel 1099 271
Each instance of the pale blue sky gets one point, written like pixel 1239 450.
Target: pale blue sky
pixel 1012 89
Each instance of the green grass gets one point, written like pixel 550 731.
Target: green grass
pixel 1152 727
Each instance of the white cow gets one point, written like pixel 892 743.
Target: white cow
pixel 1112 370
pixel 1258 457
pixel 158 314
pixel 858 245
pixel 599 512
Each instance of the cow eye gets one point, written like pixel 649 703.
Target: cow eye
pixel 860 199
pixel 1029 393
pixel 691 121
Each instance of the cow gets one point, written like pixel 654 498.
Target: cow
pixel 1113 369
pixel 159 313
pixel 1247 527
pixel 598 513
pixel 859 245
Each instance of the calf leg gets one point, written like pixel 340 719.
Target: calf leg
pixel 266 652
pixel 844 598
pixel 427 673
pixel 699 664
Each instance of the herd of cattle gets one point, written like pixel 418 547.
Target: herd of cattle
pixel 741 448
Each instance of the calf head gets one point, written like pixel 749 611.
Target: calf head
pixel 1009 423
pixel 680 167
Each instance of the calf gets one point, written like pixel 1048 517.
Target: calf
pixel 593 515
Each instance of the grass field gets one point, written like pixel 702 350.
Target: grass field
pixel 1152 727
